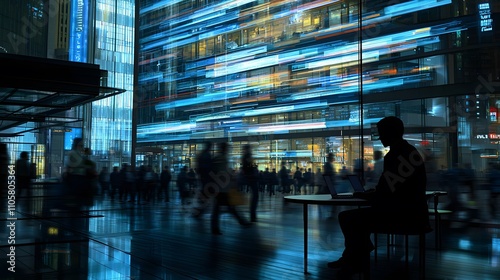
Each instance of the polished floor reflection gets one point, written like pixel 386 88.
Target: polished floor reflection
pixel 159 240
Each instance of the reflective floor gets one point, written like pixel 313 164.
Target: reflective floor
pixel 160 240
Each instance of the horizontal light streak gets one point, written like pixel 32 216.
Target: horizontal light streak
pixel 379 17
pixel 241 54
pixel 352 86
pixel 219 81
pixel 262 97
pixel 220 130
pixel 263 111
pixel 287 127
pixel 243 66
pixel 208 11
pixel 205 18
pixel 343 60
pixel 382 43
pixel 260 63
pixel 159 5
pixel 219 96
pixel 165 128
pixel 163 138
pixel 413 6
pixel 153 60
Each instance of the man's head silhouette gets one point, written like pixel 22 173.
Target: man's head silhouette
pixel 390 130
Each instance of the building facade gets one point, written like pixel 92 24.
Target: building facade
pixel 99 32
pixel 111 134
pixel 286 78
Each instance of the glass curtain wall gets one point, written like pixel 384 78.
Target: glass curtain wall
pixel 252 72
pixel 289 78
pixel 23 31
pixel 112 117
pixel 24 27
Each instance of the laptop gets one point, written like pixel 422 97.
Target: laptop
pixel 355 183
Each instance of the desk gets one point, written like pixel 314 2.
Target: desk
pixel 326 199
pixel 320 199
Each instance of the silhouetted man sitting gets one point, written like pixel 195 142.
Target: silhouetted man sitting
pixel 397 202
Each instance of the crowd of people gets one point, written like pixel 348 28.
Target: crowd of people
pixel 82 181
pixel 208 182
pixel 141 185
pixel 144 184
pixel 206 185
pixel 194 185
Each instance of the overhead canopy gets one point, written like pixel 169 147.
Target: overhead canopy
pixel 36 90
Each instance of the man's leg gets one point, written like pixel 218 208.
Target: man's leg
pixel 253 202
pixel 216 215
pixel 201 197
pixel 356 227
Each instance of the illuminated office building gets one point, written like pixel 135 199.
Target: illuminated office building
pixel 111 135
pixel 99 32
pixel 23 31
pixel 286 77
pixel 108 27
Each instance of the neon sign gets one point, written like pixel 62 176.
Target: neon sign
pixel 485 20
pixel 79 25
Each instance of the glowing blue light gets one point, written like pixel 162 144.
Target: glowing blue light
pixel 79 28
pixel 464 244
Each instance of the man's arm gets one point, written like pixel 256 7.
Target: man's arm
pixel 367 195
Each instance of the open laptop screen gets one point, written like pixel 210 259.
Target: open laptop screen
pixel 356 183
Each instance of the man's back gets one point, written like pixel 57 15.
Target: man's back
pixel 204 163
pixel 165 176
pixel 400 192
pixel 22 168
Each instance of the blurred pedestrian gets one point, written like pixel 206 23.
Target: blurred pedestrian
pixel 308 181
pixel 151 180
pixel 250 175
pixel 274 182
pixel 318 181
pixel 104 180
pixel 182 185
pixel 123 191
pixel 192 179
pixel 114 180
pixel 75 175
pixel 328 173
pixel 284 179
pixel 91 178
pixel 297 176
pixel 204 167
pixel 165 178
pixel 224 180
pixel 140 188
pixel 130 182
pixel 23 176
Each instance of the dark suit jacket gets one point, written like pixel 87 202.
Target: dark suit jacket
pixel 400 194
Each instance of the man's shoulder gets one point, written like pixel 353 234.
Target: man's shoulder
pixel 402 149
pixel 406 145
